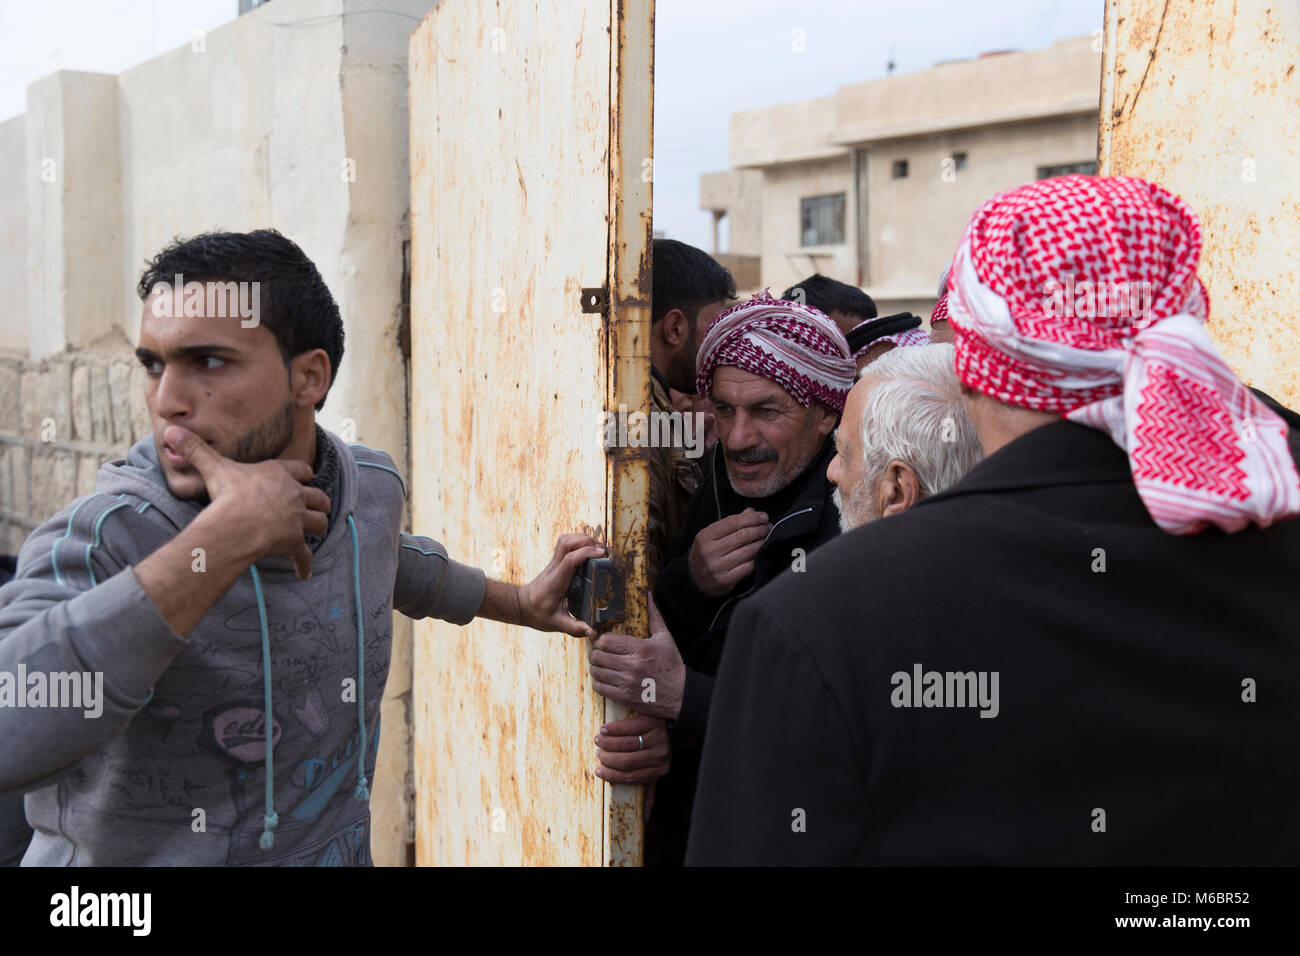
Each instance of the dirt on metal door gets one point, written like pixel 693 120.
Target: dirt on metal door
pixel 530 146
pixel 1204 99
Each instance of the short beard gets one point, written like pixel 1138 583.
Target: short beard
pixel 267 439
pixel 681 367
pixel 264 441
pixel 782 479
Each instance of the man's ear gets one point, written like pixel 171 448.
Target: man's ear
pixel 897 490
pixel 310 378
pixel 827 420
pixel 673 328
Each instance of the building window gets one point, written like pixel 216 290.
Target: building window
pixel 958 161
pixel 900 169
pixel 821 220
pixel 1065 169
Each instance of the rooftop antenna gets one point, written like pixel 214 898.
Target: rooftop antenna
pixel 890 64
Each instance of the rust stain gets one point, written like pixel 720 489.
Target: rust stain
pixel 1151 58
pixel 645 267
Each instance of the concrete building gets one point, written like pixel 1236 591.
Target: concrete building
pixel 873 185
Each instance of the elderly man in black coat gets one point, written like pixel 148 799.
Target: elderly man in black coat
pixel 777 373
pixel 1084 652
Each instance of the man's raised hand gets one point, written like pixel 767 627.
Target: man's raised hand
pixel 542 602
pixel 267 502
pixel 722 554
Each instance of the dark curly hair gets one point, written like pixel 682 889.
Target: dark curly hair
pixel 294 302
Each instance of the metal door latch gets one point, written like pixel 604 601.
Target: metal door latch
pixel 595 594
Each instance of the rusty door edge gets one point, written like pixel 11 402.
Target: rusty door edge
pixel 630 231
pixel 1106 114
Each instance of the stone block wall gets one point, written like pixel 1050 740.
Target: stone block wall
pixel 61 418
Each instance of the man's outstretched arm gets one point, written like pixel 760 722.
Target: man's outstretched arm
pixel 431 584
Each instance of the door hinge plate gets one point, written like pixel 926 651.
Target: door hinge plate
pixel 596 300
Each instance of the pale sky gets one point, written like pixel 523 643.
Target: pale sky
pixel 712 58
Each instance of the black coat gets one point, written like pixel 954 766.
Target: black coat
pixel 803 517
pixel 1120 691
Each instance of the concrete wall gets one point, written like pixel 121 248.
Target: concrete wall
pixel 785 133
pixel 293 116
pixel 13 235
pixel 737 193
pixel 915 223
pixel 1057 80
pixel 74 210
pixel 744 269
pixel 784 260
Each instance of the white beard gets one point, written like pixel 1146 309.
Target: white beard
pixel 856 512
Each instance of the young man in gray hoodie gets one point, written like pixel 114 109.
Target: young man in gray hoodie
pixel 231 581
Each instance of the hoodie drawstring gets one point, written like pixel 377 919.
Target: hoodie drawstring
pixel 363 792
pixel 270 818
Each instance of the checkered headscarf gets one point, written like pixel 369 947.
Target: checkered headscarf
pixel 793 345
pixel 940 313
pixel 911 337
pixel 1079 295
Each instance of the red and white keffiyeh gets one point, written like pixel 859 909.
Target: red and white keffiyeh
pixel 794 345
pixel 911 337
pixel 1079 295
pixel 940 313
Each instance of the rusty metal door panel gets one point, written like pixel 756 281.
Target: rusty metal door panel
pixel 521 197
pixel 1204 99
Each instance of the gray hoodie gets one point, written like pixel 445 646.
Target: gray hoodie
pixel 137 746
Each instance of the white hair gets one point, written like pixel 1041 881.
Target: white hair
pixel 914 413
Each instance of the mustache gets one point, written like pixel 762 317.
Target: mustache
pixel 752 457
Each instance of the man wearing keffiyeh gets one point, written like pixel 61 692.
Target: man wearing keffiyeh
pixel 940 327
pixel 1122 565
pixel 778 374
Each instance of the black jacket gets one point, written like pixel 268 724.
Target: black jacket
pixel 803 517
pixel 1120 691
